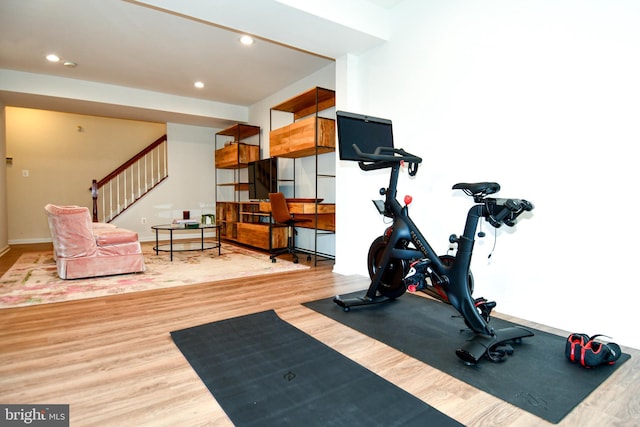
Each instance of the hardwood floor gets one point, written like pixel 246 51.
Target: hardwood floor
pixel 113 361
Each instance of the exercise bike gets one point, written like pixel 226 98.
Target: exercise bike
pixel 402 259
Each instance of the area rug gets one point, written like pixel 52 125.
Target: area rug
pixel 33 280
pixel 264 371
pixel 537 378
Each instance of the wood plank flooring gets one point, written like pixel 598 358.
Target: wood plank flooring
pixel 113 361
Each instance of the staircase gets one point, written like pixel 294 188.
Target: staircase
pixel 128 183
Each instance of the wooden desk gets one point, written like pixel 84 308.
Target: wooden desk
pixel 307 210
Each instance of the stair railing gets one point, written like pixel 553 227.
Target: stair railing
pixel 128 183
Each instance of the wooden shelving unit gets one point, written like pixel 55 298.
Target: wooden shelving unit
pixel 234 153
pixel 308 134
pixel 235 147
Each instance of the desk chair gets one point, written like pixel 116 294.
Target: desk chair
pixel 281 215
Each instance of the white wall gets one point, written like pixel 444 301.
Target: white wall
pixel 4 232
pixel 190 185
pixel 55 161
pixel 541 97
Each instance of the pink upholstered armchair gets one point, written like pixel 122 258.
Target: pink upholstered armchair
pixel 83 249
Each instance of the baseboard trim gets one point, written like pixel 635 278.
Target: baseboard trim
pixel 29 241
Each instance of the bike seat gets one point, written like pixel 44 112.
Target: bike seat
pixel 476 188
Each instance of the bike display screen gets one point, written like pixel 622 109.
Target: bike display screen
pixel 367 132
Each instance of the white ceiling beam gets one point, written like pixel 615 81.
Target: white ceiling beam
pixel 81 90
pixel 331 28
pixel 358 15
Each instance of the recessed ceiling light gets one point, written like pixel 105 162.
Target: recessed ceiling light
pixel 53 58
pixel 246 40
pixel 199 85
pixel 69 64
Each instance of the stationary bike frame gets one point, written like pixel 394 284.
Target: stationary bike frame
pixel 452 272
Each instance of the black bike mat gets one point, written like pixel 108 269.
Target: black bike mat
pixel 537 378
pixel 265 372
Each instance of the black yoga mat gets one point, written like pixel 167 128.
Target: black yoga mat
pixel 537 377
pixel 265 372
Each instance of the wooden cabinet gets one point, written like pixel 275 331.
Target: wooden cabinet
pixel 236 155
pixel 257 235
pixel 306 137
pixel 308 134
pixel 245 223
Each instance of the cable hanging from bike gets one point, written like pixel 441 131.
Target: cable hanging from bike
pixel 402 259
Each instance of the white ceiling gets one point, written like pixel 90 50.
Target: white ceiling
pixel 164 46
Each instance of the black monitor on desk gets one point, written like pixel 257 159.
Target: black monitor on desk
pixel 367 132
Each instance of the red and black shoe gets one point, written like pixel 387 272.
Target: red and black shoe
pixel 590 352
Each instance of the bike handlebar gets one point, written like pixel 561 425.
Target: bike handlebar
pixel 510 210
pixel 498 211
pixel 387 155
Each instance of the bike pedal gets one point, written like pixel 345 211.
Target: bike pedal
pixel 484 307
pixel 414 280
pixel 484 304
pixel 507 349
pixel 415 287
